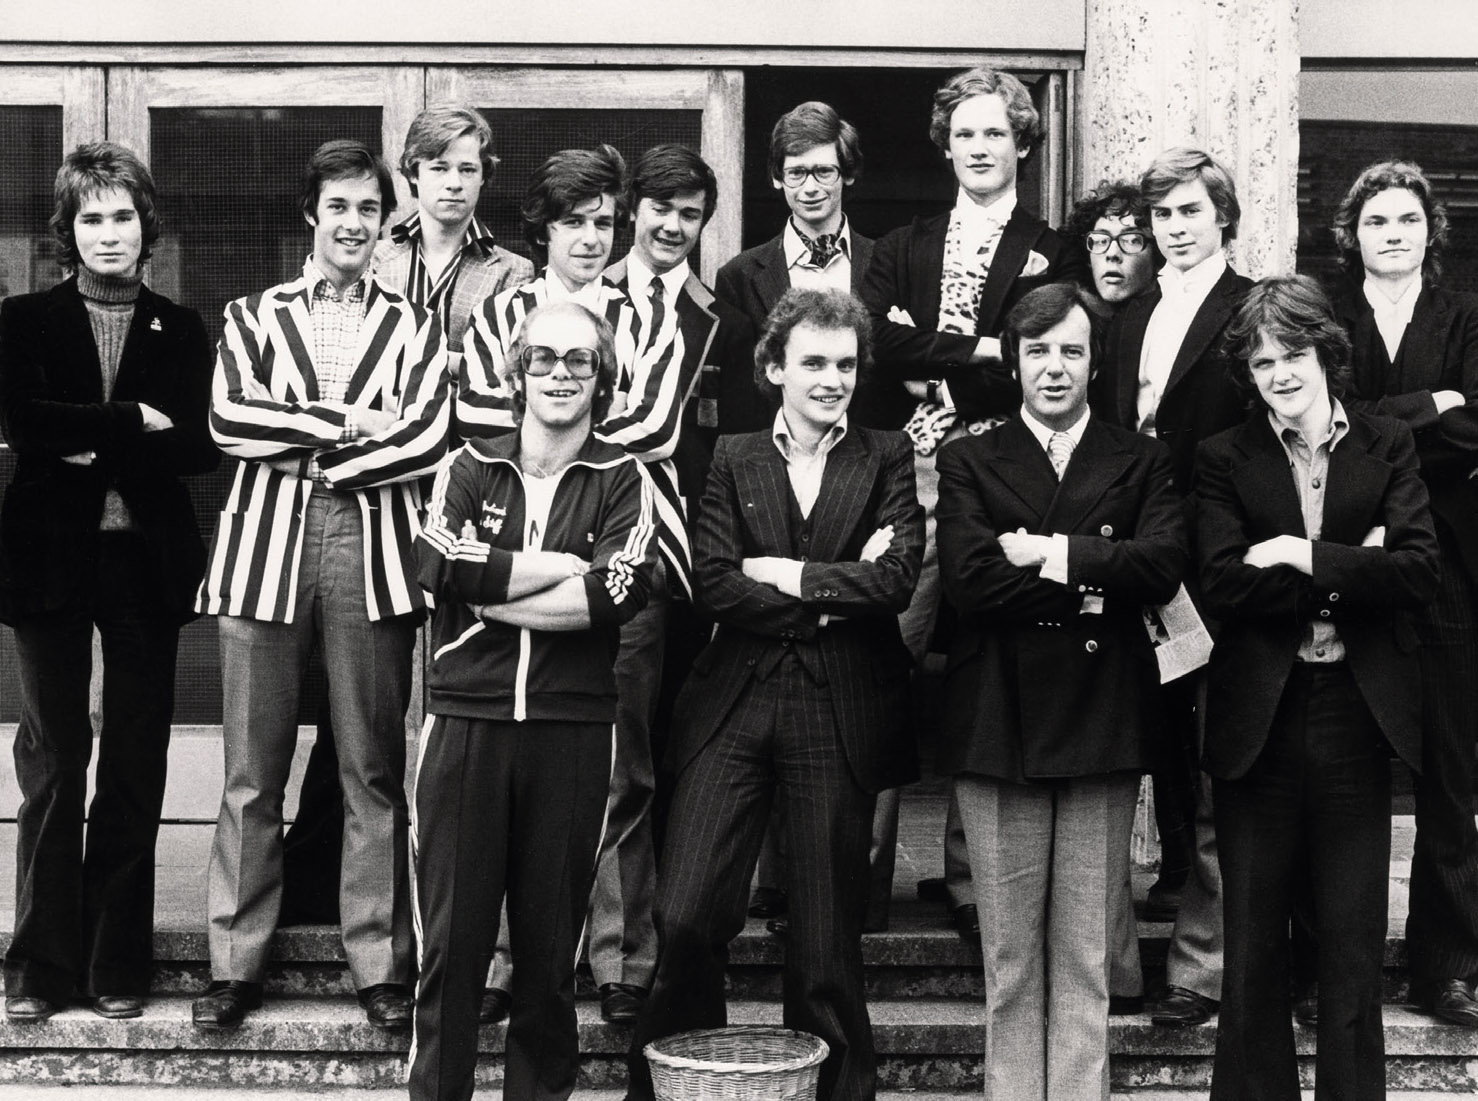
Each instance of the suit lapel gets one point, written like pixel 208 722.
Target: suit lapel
pixel 926 270
pixel 1021 233
pixel 851 469
pixel 291 328
pixel 1265 484
pixel 1023 467
pixel 764 493
pixel 1096 464
pixel 1136 322
pixel 371 364
pixel 73 334
pixel 139 347
pixel 861 260
pixel 1357 483
pixel 772 279
pixel 1422 345
pixel 1208 322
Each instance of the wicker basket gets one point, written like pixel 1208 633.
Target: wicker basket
pixel 742 1063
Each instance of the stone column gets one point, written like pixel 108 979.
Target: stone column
pixel 1218 74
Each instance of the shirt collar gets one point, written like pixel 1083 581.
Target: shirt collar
pixel 1401 308
pixel 1339 427
pixel 639 277
pixel 1196 282
pixel 797 251
pixel 478 236
pixel 997 213
pixel 588 296
pixel 1043 433
pixel 781 434
pixel 316 279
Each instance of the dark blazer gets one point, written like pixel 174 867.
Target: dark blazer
pixel 751 283
pixel 1200 398
pixel 1035 688
pixel 1439 351
pixel 868 484
pixel 51 405
pixel 1244 494
pixel 907 267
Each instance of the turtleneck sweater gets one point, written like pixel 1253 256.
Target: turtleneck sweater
pixel 110 301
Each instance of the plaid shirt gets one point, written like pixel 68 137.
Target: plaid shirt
pixel 337 320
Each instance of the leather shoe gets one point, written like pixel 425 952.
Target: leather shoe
pixel 621 1002
pixel 1182 1008
pixel 1450 999
pixel 118 1007
pixel 966 919
pixel 932 889
pixel 768 902
pixel 24 1009
pixel 1125 1005
pixel 388 1005
pixel 496 1002
pixel 1162 901
pixel 226 1003
pixel 1306 1006
pixel 778 926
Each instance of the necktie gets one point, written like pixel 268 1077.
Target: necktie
pixel 1060 450
pixel 823 247
pixel 659 311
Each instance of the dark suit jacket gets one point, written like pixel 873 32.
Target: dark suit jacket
pixel 51 405
pixel 752 283
pixel 907 267
pixel 1245 494
pixel 1200 398
pixel 1439 351
pixel 868 483
pixel 1035 688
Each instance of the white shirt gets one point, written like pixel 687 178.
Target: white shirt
pixel 805 470
pixel 1055 567
pixel 981 223
pixel 836 276
pixel 538 496
pixel 588 296
pixel 1181 296
pixel 639 279
pixel 1391 318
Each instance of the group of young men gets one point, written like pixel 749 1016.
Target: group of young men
pixel 623 489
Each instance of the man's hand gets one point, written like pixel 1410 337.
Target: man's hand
pixel 1375 537
pixel 371 422
pixel 560 563
pixel 988 350
pixel 877 544
pixel 1024 550
pixel 81 458
pixel 764 570
pixel 254 390
pixel 1282 550
pixel 1447 399
pixel 154 420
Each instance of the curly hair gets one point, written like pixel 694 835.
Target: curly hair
pixel 605 344
pixel 1110 199
pixel 1026 123
pixel 564 181
pixel 93 169
pixel 1384 176
pixel 827 310
pixel 1294 312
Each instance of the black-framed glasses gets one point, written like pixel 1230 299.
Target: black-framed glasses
pixel 1130 241
pixel 539 359
pixel 824 173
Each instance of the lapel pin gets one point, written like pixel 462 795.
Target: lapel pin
pixel 154 324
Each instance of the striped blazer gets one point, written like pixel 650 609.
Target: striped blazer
pixel 265 411
pixel 645 419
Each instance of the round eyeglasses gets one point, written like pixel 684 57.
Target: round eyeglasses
pixel 539 359
pixel 1129 242
pixel 824 173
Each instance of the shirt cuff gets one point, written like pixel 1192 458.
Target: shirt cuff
pixel 788 578
pixel 350 432
pixel 945 398
pixel 1055 566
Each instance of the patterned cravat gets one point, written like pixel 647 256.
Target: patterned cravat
pixel 824 247
pixel 1060 450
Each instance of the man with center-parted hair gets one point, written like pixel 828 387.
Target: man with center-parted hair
pixel 938 290
pixel 332 391
pixel 538 544
pixel 815 155
pixel 1055 530
pixel 1166 374
pixel 808 543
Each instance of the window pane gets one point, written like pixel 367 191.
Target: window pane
pixel 523 139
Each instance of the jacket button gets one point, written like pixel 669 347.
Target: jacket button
pixel 1106 530
pixel 1323 613
pixel 1333 597
pixel 749 662
pixel 1091 646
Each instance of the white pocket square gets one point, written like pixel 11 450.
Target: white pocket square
pixel 1035 264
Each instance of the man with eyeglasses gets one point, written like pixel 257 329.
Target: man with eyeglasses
pixel 815 155
pixel 537 546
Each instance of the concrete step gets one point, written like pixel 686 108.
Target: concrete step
pixel 324 1043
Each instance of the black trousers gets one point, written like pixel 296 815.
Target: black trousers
pixel 1318 798
pixel 779 739
pixel 515 806
pixel 84 918
pixel 1442 926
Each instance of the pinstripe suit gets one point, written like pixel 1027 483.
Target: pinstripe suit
pixel 296 564
pixel 779 701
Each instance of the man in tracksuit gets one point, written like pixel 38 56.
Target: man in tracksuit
pixel 537 546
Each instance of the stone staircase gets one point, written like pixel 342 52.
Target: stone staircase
pixel 923 982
